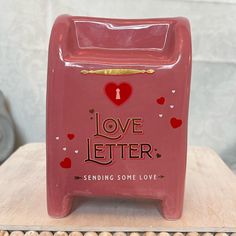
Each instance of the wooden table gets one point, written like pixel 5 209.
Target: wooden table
pixel 210 199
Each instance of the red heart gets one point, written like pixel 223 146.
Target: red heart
pixel 70 136
pixel 161 100
pixel 66 163
pixel 175 123
pixel 118 93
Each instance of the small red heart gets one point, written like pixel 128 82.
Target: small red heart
pixel 70 136
pixel 66 163
pixel 175 123
pixel 118 93
pixel 161 100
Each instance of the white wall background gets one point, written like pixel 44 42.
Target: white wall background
pixel 24 34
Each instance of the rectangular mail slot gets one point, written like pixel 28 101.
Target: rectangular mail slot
pixel 117 110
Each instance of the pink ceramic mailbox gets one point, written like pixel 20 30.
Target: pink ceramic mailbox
pixel 117 109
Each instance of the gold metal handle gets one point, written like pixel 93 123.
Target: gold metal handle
pixel 120 71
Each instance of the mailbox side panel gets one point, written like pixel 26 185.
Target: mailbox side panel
pixel 59 200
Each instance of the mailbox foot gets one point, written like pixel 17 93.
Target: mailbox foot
pixel 59 206
pixel 171 209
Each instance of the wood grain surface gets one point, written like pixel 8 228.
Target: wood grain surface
pixel 210 199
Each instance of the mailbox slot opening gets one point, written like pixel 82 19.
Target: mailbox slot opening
pixel 111 36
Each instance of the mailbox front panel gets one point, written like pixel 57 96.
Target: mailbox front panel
pixel 117 108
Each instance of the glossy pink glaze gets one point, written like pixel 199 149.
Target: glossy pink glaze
pixel 149 114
